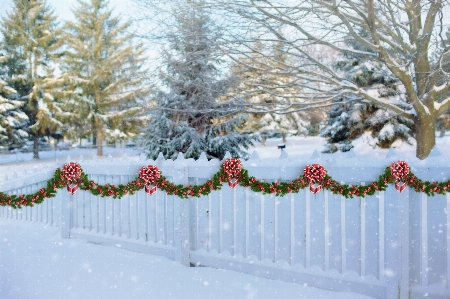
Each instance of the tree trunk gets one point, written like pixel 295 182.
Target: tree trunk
pixel 442 132
pixel 99 142
pixel 263 140
pixel 36 147
pixel 425 136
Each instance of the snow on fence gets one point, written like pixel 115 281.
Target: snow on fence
pixel 390 245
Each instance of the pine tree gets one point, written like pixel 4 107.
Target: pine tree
pixel 104 73
pixel 12 119
pixel 443 121
pixel 31 41
pixel 189 116
pixel 350 117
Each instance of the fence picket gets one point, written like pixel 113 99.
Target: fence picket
pixel 47 211
pixel 269 225
pixel 136 207
pixel 104 200
pixel 98 210
pixel 247 223
pixel 381 235
pixel 113 211
pixel 202 215
pixel 363 235
pixel 220 222
pixel 161 217
pixel 308 230
pixel 275 230
pixel 326 233
pixel 214 221
pixel 169 220
pixel 76 210
pixel 146 218
pixel 120 209
pixel 283 230
pixel 343 237
pixel 51 211
pixel 424 240
pixel 403 203
pixel 234 216
pixel 300 227
pixel 292 231
pixel 263 233
pixel 129 215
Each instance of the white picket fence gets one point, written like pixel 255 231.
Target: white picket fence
pixel 391 245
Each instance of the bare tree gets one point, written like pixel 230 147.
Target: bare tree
pixel 404 35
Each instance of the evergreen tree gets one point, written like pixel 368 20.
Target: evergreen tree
pixel 189 116
pixel 31 41
pixel 443 121
pixel 12 119
pixel 351 117
pixel 103 73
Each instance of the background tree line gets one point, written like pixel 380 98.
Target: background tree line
pixel 84 76
pixel 340 69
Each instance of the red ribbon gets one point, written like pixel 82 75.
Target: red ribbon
pixel 313 189
pixel 71 173
pixel 72 189
pixel 232 183
pixel 232 167
pixel 315 173
pixel 150 190
pixel 149 174
pixel 399 170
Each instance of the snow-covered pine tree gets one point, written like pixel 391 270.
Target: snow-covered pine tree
pixel 189 116
pixel 12 119
pixel 443 121
pixel 350 117
pixel 103 68
pixel 31 42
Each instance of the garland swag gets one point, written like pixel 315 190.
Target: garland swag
pixel 231 171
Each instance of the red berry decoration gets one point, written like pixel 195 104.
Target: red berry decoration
pixel 71 173
pixel 399 170
pixel 232 167
pixel 149 174
pixel 315 174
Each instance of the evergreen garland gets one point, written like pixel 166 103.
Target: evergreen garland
pixel 278 188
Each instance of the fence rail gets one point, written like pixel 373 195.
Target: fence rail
pixel 390 245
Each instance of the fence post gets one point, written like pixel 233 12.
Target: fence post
pixel 66 213
pixel 392 237
pixel 182 231
pixel 403 202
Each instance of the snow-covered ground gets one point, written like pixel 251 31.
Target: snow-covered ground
pixel 296 147
pixel 36 263
pixel 51 156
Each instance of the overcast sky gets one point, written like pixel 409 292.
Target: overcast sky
pixel 63 7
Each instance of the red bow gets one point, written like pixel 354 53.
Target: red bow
pixel 232 168
pixel 399 170
pixel 149 174
pixel 315 173
pixel 71 173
